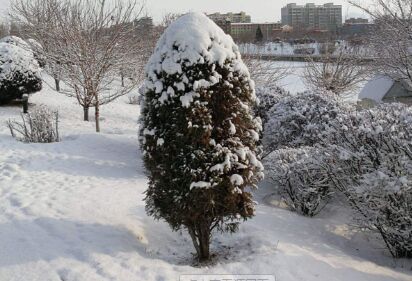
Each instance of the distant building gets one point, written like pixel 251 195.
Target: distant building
pixel 241 17
pixel 313 17
pixel 356 29
pixel 357 21
pixel 246 32
pixel 224 21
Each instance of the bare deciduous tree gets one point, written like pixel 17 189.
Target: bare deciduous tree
pixel 265 73
pixel 168 19
pixel 3 29
pixel 391 39
pixel 92 41
pixel 340 72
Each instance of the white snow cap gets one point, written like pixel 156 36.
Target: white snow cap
pixel 193 38
pixel 17 41
pixel 14 58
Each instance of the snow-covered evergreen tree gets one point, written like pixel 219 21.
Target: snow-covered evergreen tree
pixel 198 131
pixel 19 72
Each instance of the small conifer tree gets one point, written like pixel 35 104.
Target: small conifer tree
pixel 259 35
pixel 198 133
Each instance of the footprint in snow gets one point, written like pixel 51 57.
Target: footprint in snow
pixel 8 171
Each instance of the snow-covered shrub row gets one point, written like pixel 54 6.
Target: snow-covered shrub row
pixel 19 73
pixel 300 179
pixel 198 131
pixel 267 98
pixel 39 126
pixel 373 168
pixel 366 154
pixel 302 120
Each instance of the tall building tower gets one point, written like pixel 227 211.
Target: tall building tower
pixel 313 17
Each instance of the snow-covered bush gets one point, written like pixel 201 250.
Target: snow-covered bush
pixel 30 45
pixel 302 120
pixel 373 168
pixel 267 98
pixel 300 178
pixel 19 73
pixel 16 41
pixel 384 200
pixel 39 126
pixel 198 131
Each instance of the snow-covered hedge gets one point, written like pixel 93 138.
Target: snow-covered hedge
pixel 302 120
pixel 267 98
pixel 198 131
pixel 300 179
pixel 373 168
pixel 365 154
pixel 19 72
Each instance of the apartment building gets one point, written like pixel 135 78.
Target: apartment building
pixel 313 17
pixel 246 32
pixel 241 17
pixel 357 21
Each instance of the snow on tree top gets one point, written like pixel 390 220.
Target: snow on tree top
pixel 16 59
pixel 190 40
pixel 193 38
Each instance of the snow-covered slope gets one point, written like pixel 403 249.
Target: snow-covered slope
pixel 73 211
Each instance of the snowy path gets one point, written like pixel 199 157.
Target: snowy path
pixel 74 211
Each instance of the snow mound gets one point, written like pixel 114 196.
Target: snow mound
pixel 191 39
pixel 376 89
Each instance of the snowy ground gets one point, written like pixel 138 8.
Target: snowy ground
pixel 293 81
pixel 73 211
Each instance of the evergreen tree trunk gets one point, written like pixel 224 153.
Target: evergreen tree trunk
pixel 200 235
pixel 57 83
pixel 86 113
pixel 204 243
pixel 192 233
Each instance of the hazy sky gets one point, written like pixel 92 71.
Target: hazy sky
pixel 261 10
